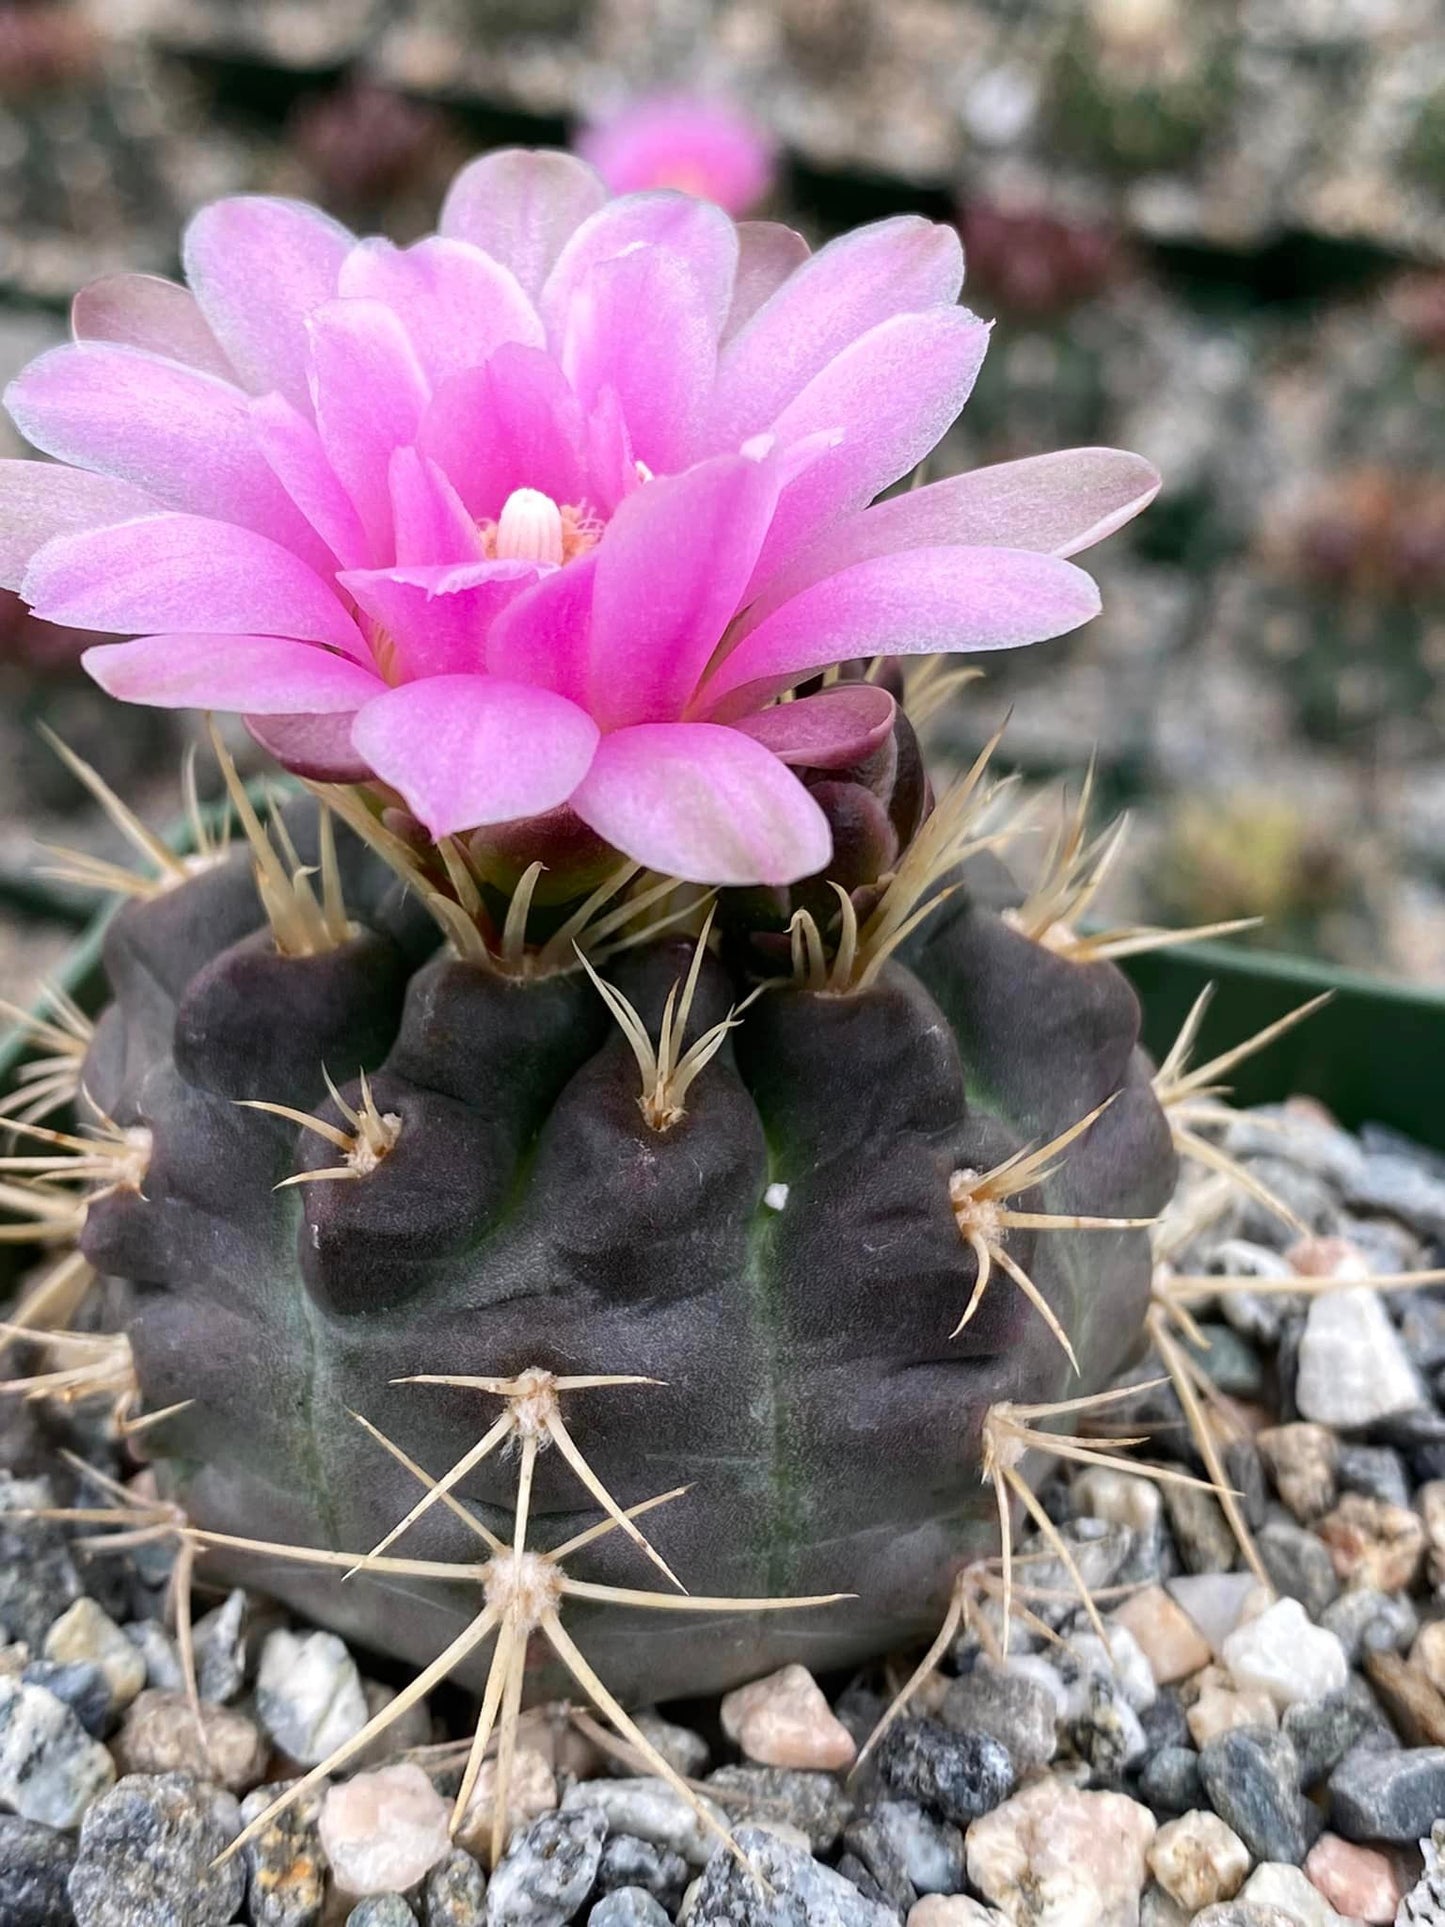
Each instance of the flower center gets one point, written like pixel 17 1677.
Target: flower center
pixel 533 528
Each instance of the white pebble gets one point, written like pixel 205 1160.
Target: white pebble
pixel 1275 1885
pixel 384 1831
pixel 1353 1370
pixel 1286 1656
pixel 309 1695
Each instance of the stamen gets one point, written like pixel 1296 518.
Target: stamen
pixel 529 528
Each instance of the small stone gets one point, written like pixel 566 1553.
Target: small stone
pixel 804 1891
pixel 1364 1622
pixel 1299 1565
pixel 1017 1710
pixel 147 1853
pixel 630 1862
pixel 1388 1796
pixel 86 1635
pixel 1158 1909
pixel 455 1894
pixel 1168 1638
pixel 931 1851
pixel 384 1831
pixel 1202 1533
pixel 784 1720
pixel 1053 1855
pixel 1121 1498
pixel 1322 1734
pixel 628 1907
pixel 1244 1913
pixel 1169 1780
pixel 531 1792
pixel 1301 1459
pixel 37 1577
pixel 1217 1602
pixel 1415 1709
pixel 1427 1655
pixel 875 1866
pixel 50 1767
pixel 1285 1656
pixel 548 1870
pixel 686 1752
pixel 83 1687
pixel 1251 1779
pixel 1374 1544
pixel 1287 1888
pixel 955 1910
pixel 159 1735
pixel 35 1864
pixel 309 1696
pixel 1099 1552
pixel 158 1650
pixel 958 1776
pixel 1377 1471
pixel 1198 1860
pixel 220 1642
pixel 1358 1882
pixel 1431 1501
pixel 653 1811
pixel 1166 1723
pixel 381 1910
pixel 1424 1905
pixel 813 1802
pixel 1118 1658
pixel 285 1871
pixel 1353 1370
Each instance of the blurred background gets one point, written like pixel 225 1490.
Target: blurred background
pixel 1211 230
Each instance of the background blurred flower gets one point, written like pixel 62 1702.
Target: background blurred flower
pixel 700 146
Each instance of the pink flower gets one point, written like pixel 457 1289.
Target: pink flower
pixel 703 147
pixel 543 510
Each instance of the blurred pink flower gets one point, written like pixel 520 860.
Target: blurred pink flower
pixel 683 141
pixel 545 509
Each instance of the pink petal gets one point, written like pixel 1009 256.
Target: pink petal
pixel 431 521
pixel 513 423
pixel 890 267
pixel 262 674
pixel 146 311
pixel 706 147
pixel 917 603
pixel 613 473
pixel 895 392
pixel 702 803
pixel 671 571
pixel 640 326
pixel 259 266
pixel 768 253
pixel 182 436
pixel 545 636
pixel 457 304
pixel 468 750
pixel 181 572
pixel 832 730
pixel 370 394
pixel 289 442
pixel 317 747
pixel 699 234
pixel 521 207
pixel 438 618
pixel 40 500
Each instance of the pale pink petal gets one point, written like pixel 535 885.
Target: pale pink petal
pixel 182 572
pixel 612 469
pixel 920 602
pixel 890 267
pixel 40 500
pixel 289 442
pixel 469 750
pixel 370 394
pixel 182 436
pixel 640 326
pixel 707 147
pixel 671 571
pixel 521 206
pixel 259 266
pixel 457 304
pixel 431 520
pixel 514 423
pixel 703 803
pixel 545 636
pixel 262 674
pixel 894 393
pixel 146 311
pixel 438 618
pixel 768 253
pixel 832 730
pixel 317 747
pixel 701 235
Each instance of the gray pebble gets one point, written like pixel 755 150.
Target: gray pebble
pixel 1299 1564
pixel 1310 1196
pixel 220 1640
pixel 1422 1330
pixel 455 1893
pixel 814 1803
pixel 1019 1712
pixel 285 1868
pixel 37 1577
pixel 1388 1796
pixel 1424 1905
pixel 628 1907
pixel 381 1910
pixel 1402 1187
pixel 50 1767
pixel 1377 1471
pixel 652 1810
pixel 1365 1621
pixel 1201 1531
pixel 1230 1361
pixel 82 1685
pixel 1251 1779
pixel 1099 1549
pixel 1323 1732
pixel 1244 1913
pixel 158 1650
pixel 1169 1781
pixel 804 1893
pixel 931 1851
pixel 896 1904
pixel 1165 1723
pixel 686 1752
pixel 35 1862
pixel 873 1847
pixel 146 1856
pixel 958 1776
pixel 630 1862
pixel 548 1870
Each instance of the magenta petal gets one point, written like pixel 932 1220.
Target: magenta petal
pixel 258 267
pixel 693 231
pixel 180 572
pixel 768 253
pixel 458 305
pixel 431 520
pixel 832 730
pixel 468 750
pixel 146 311
pixel 40 500
pixel 289 442
pixel 521 206
pixel 317 747
pixel 703 803
pixel 920 602
pixel 545 636
pixel 512 423
pixel 260 674
pixel 438 618
pixel 671 571
pixel 891 267
pixel 370 394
